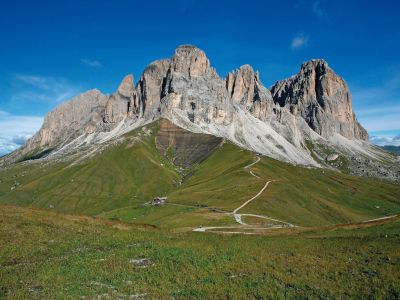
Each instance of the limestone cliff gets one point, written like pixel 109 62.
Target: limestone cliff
pixel 245 88
pixel 79 116
pixel 322 98
pixel 122 103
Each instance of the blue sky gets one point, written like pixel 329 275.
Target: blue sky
pixel 53 50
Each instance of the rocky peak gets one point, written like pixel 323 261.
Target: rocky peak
pixel 322 98
pixel 314 64
pixel 149 87
pixel 194 88
pixel 244 88
pixel 81 115
pixel 121 103
pixel 191 61
pixel 240 84
pixel 126 88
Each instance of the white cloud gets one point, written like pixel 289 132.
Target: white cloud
pixel 91 63
pixel 299 41
pixel 15 130
pixel 386 140
pixel 40 82
pixel 6 146
pixel 36 88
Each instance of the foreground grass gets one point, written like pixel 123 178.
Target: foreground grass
pixel 48 255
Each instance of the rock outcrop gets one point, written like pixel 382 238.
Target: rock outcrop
pixel 245 88
pixel 149 88
pixel 122 103
pixel 321 98
pixel 79 116
pixel 195 88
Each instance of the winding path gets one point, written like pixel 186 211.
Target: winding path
pixel 380 219
pixel 253 163
pixel 238 217
pixel 242 225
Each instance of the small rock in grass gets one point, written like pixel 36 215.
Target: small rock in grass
pixel 141 262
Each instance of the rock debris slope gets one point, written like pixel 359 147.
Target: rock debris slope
pixel 301 120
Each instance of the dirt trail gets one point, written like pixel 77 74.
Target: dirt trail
pixel 379 219
pixel 238 217
pixel 253 163
pixel 251 172
pixel 243 225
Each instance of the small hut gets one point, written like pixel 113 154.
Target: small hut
pixel 159 201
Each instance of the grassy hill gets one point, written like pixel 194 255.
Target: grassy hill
pixel 298 195
pixel 51 255
pixel 128 173
pixel 117 183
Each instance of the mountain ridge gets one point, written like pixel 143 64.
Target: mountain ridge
pixel 312 107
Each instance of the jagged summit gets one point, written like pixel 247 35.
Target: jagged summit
pixel 322 98
pixel 191 61
pixel 312 105
pixel 187 48
pixel 244 88
pixel 313 63
pixel 126 87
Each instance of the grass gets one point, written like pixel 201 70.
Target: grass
pixel 310 197
pixel 170 216
pixel 123 175
pixel 50 255
pixel 118 182
pixel 46 254
pixel 302 196
pixel 220 181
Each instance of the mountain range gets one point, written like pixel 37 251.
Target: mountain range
pixel 306 119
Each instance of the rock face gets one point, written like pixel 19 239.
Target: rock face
pixel 195 88
pixel 121 103
pixel 183 147
pixel 321 98
pixel 149 88
pixel 311 106
pixel 81 115
pixel 244 88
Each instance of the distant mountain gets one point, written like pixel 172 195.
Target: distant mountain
pixel 393 149
pixel 306 119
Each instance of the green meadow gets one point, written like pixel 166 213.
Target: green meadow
pixel 87 230
pixel 48 255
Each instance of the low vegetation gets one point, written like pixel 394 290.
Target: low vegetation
pixel 50 255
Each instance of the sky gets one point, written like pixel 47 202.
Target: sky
pixel 53 50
